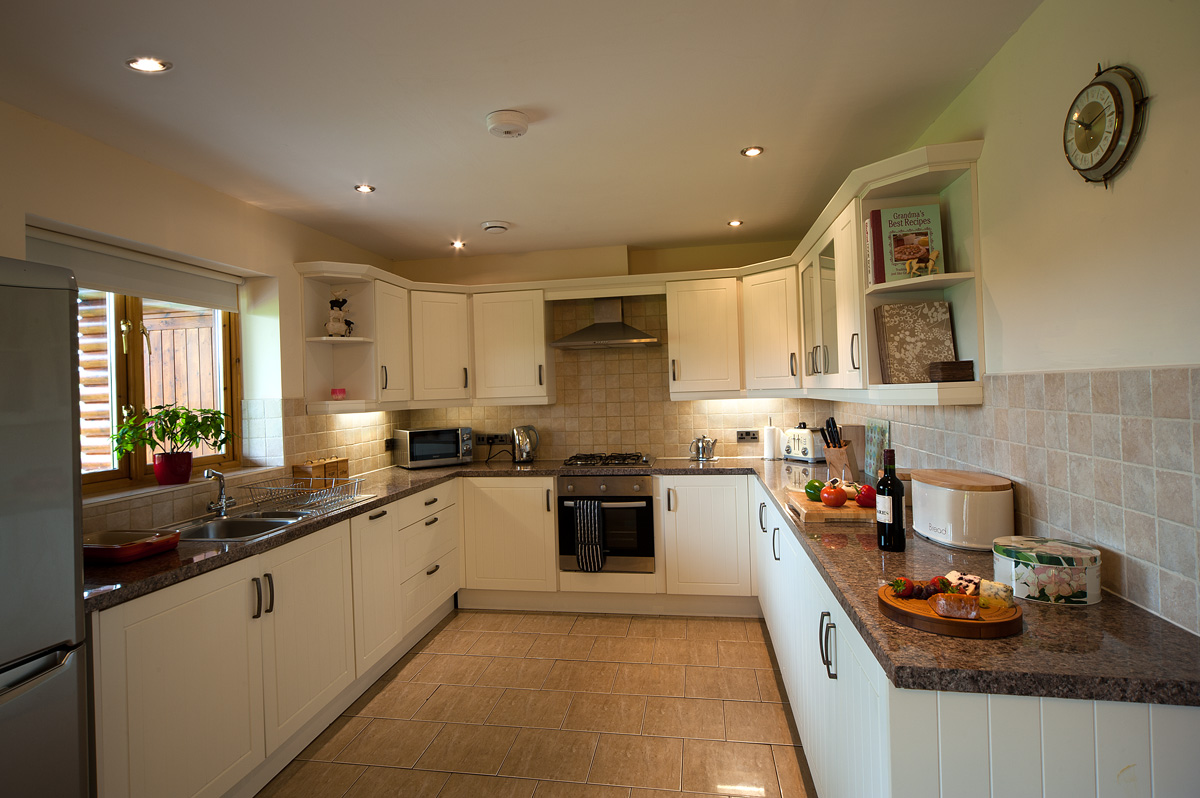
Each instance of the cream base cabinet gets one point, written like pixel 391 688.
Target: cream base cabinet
pixel 179 688
pixel 509 533
pixel 771 340
pixel 704 345
pixel 512 359
pixel 308 629
pixel 378 624
pixel 706 533
pixel 441 344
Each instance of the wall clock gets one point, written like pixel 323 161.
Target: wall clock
pixel 1104 124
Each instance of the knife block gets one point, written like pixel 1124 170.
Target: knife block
pixel 842 462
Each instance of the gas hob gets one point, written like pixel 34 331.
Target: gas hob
pixel 610 460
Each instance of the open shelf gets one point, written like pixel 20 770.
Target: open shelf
pixel 331 339
pixel 930 282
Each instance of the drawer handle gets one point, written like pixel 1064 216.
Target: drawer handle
pixel 762 525
pixel 377 515
pixel 433 570
pixel 774 548
pixel 431 501
pixel 431 521
pixel 829 671
pixel 257 589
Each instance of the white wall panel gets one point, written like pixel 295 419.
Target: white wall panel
pixel 1068 747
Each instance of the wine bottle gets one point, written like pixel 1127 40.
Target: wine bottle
pixel 889 506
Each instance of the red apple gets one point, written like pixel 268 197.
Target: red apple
pixel 865 497
pixel 833 496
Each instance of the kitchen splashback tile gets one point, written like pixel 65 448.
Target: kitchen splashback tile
pixel 1173 444
pixel 1174 499
pixel 1135 393
pixel 1079 391
pixel 1106 392
pixel 1171 392
pixel 1179 600
pixel 1177 548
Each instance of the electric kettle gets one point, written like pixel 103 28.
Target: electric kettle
pixel 704 448
pixel 525 443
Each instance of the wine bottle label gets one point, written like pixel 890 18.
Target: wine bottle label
pixel 883 509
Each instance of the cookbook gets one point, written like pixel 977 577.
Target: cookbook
pixel 904 243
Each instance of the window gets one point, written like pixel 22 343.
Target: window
pixel 139 353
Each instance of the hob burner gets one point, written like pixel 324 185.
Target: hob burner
pixel 613 460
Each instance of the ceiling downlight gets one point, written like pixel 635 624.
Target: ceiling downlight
pixel 364 188
pixel 148 65
pixel 752 152
pixel 734 222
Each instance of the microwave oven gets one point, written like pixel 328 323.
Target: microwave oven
pixel 432 447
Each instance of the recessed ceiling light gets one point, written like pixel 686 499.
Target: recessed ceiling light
pixel 364 188
pixel 457 244
pixel 735 222
pixel 751 152
pixel 148 65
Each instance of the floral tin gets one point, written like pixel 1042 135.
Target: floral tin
pixel 1048 570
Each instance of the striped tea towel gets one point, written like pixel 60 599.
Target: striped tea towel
pixel 589 535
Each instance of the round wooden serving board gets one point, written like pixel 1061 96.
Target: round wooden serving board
pixel 917 613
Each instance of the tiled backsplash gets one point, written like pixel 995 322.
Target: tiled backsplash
pixel 1107 457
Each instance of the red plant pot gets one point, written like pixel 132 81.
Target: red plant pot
pixel 172 468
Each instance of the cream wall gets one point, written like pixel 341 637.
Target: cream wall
pixel 53 173
pixel 1076 276
pixel 719 256
pixel 551 264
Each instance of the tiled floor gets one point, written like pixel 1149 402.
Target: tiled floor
pixel 551 705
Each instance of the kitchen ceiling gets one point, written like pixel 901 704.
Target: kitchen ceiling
pixel 637 108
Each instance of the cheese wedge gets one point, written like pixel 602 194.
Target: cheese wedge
pixel 995 594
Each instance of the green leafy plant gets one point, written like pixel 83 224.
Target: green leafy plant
pixel 171 429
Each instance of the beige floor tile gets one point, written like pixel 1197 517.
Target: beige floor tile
pixel 733 654
pixel 563 789
pixel 541 709
pixel 602 712
pixel 337 735
pixel 685 652
pixel 390 782
pixel 448 641
pixel 612 625
pixel 492 621
pixel 556 646
pixel 312 780
pixel 729 768
pixel 716 629
pixel 735 684
pixel 752 722
pixel 650 679
pixel 546 624
pixel 395 743
pixel 770 686
pixel 512 672
pixel 622 649
pixel 658 626
pixel 408 666
pixel 550 754
pixel 461 748
pixel 634 761
pixel 684 717
pixel 456 703
pixel 456 619
pixel 581 677
pixel 756 630
pixel 452 669
pixel 791 766
pixel 398 700
pixel 637 793
pixel 462 785
pixel 502 644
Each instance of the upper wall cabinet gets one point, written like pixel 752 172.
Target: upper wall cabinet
pixel 392 342
pixel 513 361
pixel 832 298
pixel 703 337
pixel 441 346
pixel 771 340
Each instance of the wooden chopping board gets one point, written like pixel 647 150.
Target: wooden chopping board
pixel 811 512
pixel 918 613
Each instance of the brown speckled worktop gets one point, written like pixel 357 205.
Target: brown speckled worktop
pixel 1112 651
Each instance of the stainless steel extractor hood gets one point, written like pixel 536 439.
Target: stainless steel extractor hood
pixel 607 331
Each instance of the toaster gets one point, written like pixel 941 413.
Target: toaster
pixel 805 445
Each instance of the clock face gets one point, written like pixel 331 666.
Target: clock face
pixel 1090 134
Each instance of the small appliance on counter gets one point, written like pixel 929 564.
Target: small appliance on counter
pixel 704 448
pixel 803 444
pixel 432 447
pixel 525 443
pixel 961 509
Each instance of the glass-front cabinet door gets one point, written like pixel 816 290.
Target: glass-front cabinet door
pixel 830 297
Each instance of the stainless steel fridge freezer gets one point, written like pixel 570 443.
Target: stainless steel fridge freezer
pixel 44 723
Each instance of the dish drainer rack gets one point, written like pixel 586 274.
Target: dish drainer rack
pixel 315 494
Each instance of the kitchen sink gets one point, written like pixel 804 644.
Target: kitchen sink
pixel 290 515
pixel 234 529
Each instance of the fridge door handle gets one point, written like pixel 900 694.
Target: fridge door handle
pixel 51 663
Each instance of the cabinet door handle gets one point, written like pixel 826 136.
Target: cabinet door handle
pixel 762 506
pixel 466 378
pixel 271 593
pixel 431 501
pixel 669 508
pixel 829 627
pixel 825 354
pixel 547 500
pixel 384 377
pixel 433 570
pixel 792 361
pixel 431 521
pixel 854 351
pixel 540 378
pixel 774 548
pixel 821 637
pixel 377 515
pixel 673 377
pixel 816 363
pixel 258 590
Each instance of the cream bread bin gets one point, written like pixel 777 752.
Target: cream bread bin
pixel 963 509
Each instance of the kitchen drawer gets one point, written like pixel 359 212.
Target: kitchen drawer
pixel 426 540
pixel 375 521
pixel 424 504
pixel 423 593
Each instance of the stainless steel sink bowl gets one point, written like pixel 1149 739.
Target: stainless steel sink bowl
pixel 233 529
pixel 291 515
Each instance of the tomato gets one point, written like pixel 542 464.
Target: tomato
pixel 865 497
pixel 833 496
pixel 812 489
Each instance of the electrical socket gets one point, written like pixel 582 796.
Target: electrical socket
pixel 487 439
pixel 747 436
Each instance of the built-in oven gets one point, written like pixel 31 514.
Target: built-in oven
pixel 626 508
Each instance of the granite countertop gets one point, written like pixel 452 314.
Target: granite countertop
pixel 1113 651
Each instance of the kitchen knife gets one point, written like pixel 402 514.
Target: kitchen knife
pixel 834 438
pixel 824 436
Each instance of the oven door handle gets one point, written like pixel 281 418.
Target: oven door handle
pixel 612 505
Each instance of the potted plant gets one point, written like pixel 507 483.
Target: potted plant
pixel 175 430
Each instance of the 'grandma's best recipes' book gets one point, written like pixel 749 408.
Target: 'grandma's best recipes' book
pixel 909 241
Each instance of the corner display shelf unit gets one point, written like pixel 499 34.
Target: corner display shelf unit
pixel 332 362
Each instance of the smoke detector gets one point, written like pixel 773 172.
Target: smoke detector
pixel 507 124
pixel 495 227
